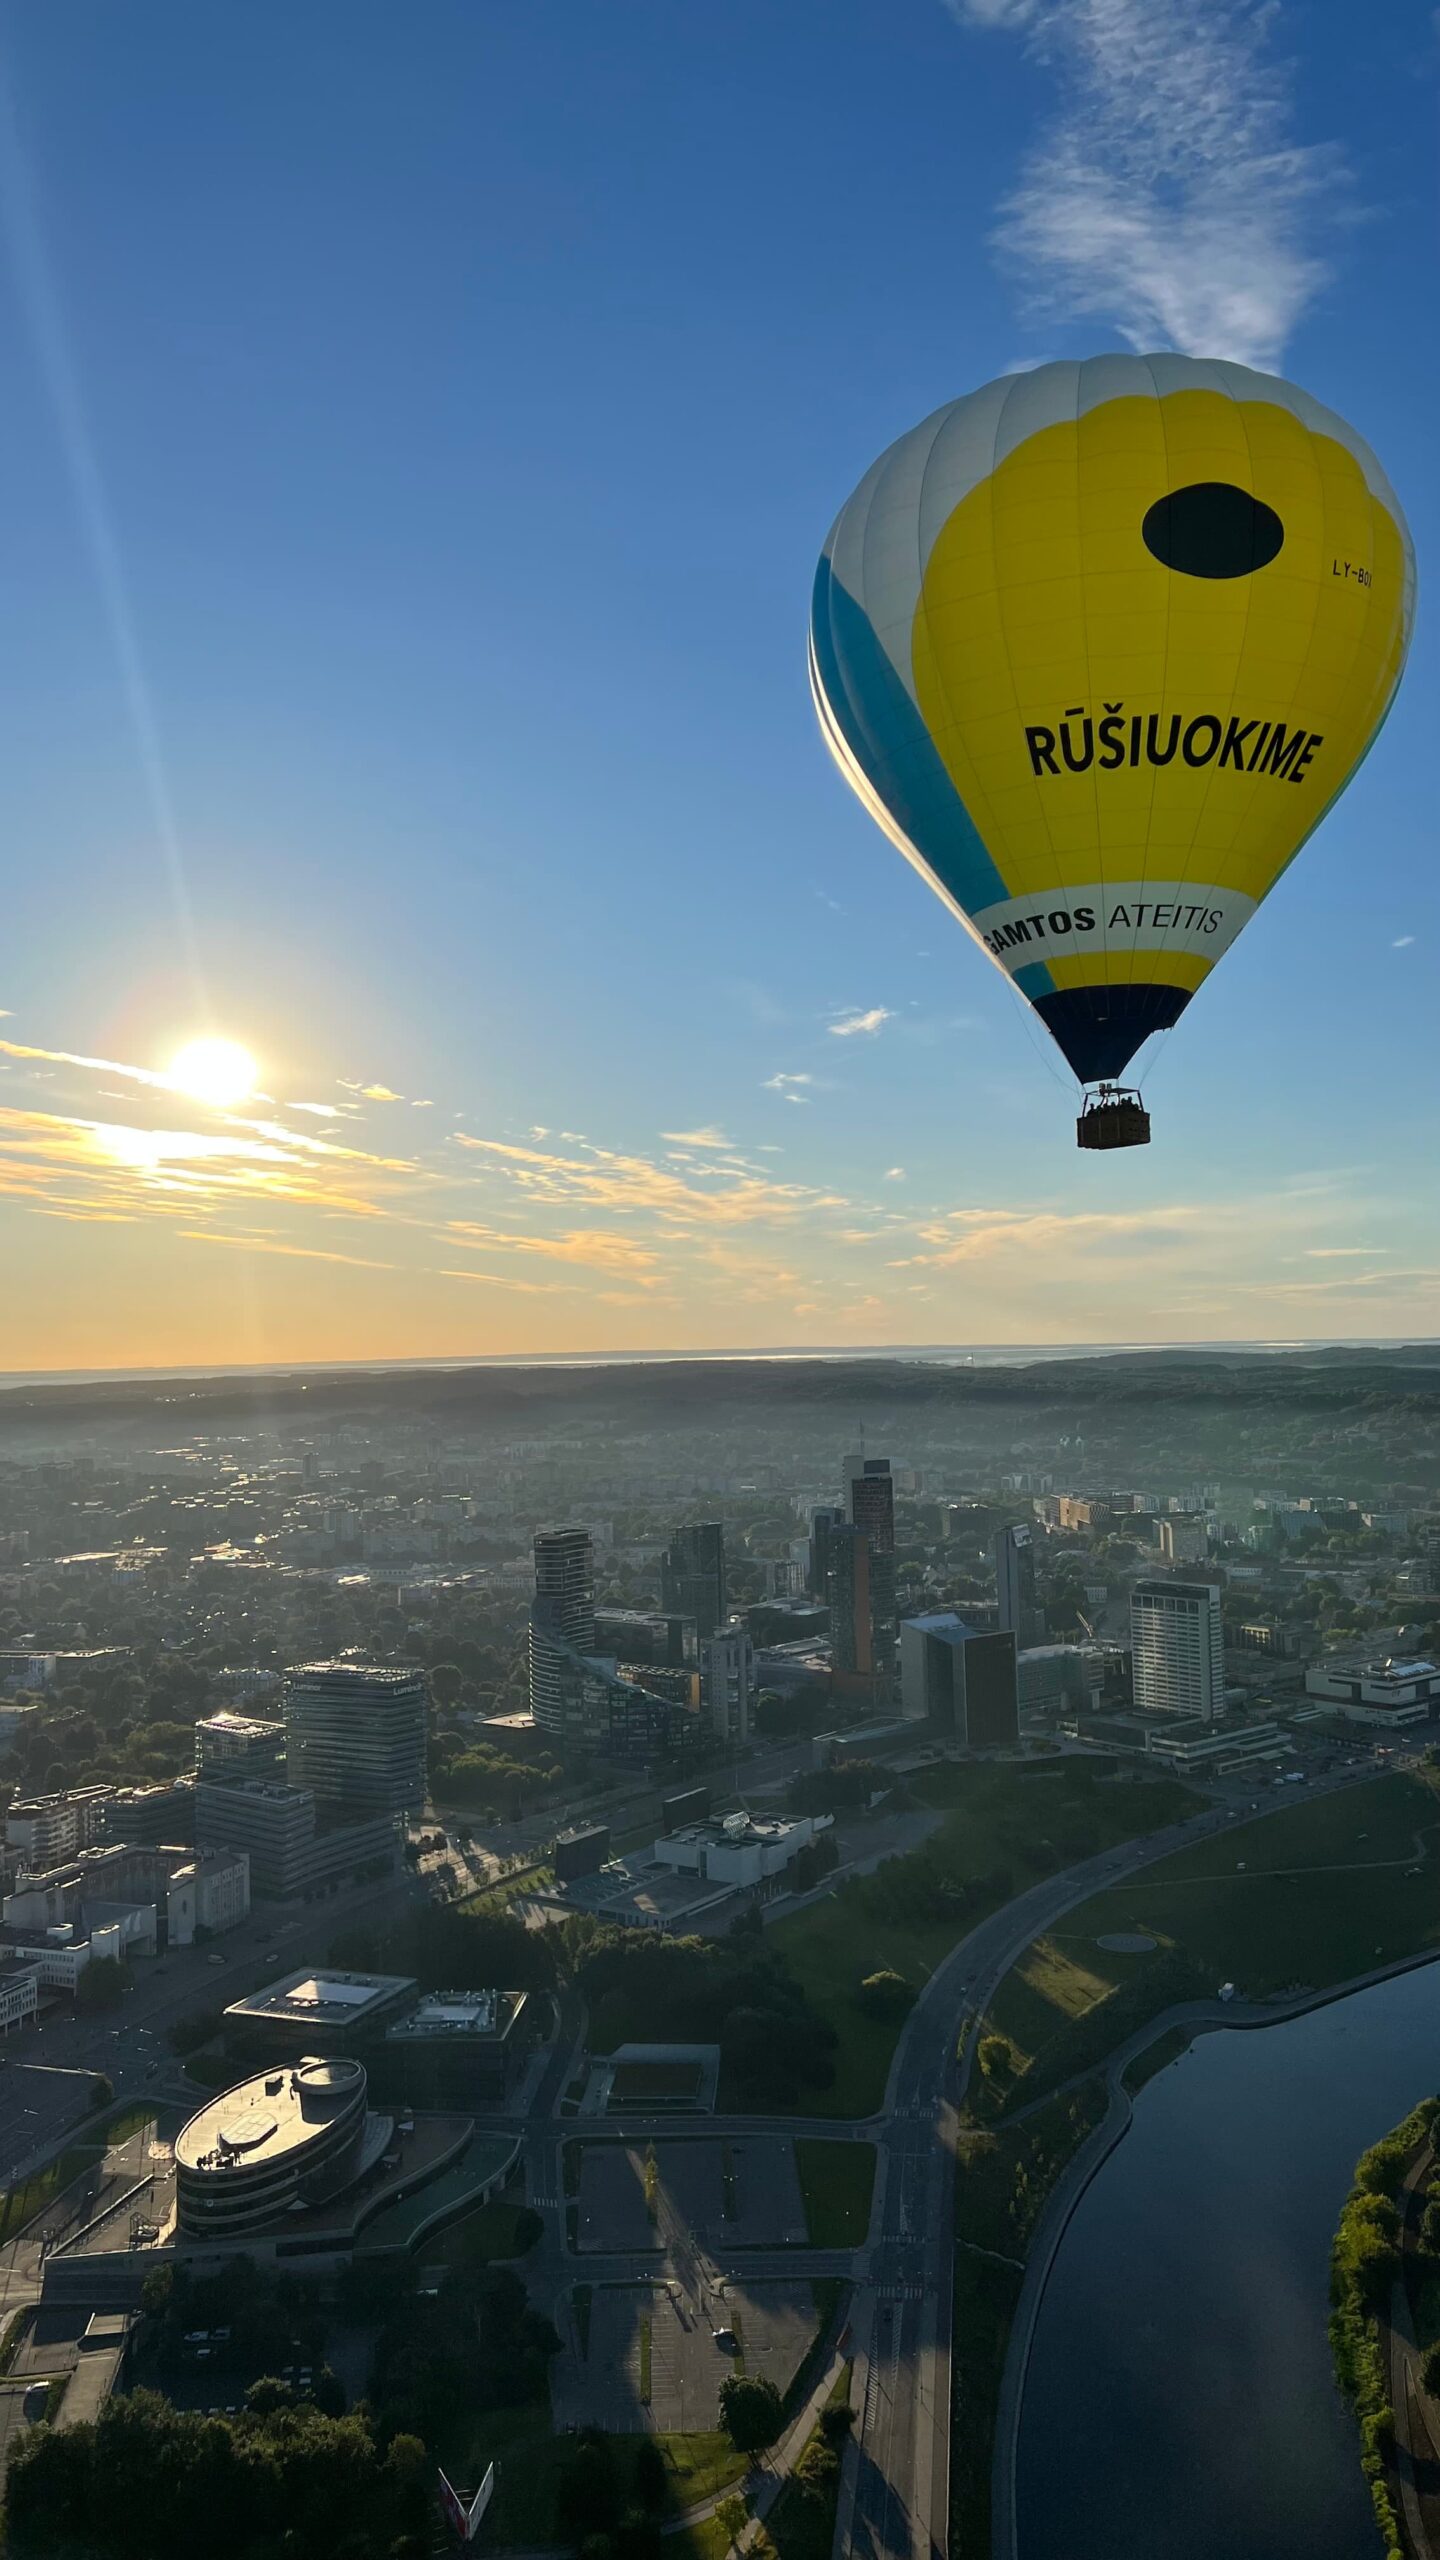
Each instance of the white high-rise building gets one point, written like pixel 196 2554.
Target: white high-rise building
pixel 727 1681
pixel 562 1630
pixel 1176 1647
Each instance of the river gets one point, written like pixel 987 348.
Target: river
pixel 1180 2397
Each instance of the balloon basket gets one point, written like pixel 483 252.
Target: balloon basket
pixel 1113 1118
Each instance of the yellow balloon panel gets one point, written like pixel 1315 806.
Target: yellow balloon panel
pixel 1107 719
pixel 1097 646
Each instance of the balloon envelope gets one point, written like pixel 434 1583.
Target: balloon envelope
pixel 1098 646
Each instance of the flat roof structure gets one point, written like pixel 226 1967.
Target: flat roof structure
pixel 454 2013
pixel 310 1997
pixel 264 2119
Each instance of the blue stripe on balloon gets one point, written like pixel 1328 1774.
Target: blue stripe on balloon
pixel 893 748
pixel 1033 980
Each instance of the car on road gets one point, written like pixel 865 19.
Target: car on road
pixel 725 2340
pixel 36 2401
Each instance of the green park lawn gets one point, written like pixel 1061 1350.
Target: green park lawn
pixel 1003 1829
pixel 529 2458
pixel 836 2181
pixel 1313 1895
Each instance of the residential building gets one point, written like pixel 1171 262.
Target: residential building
pixel 960 1682
pixel 1018 1610
pixel 47 1829
pixel 562 1631
pixel 1184 1538
pixel 692 1576
pixel 656 1639
pixel 355 1735
pixel 727 1683
pixel 1176 1647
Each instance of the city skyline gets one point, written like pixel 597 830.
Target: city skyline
pixel 435 729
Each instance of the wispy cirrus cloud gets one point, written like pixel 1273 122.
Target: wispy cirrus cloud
pixel 698 1138
pixel 604 1178
pixel 1169 196
pixel 854 1023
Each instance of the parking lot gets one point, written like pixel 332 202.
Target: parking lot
pixel 738 2193
pixel 657 2335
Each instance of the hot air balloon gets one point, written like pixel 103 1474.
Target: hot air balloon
pixel 1098 646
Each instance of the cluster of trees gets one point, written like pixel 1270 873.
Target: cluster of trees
pixel 489 1781
pixel 1364 2263
pixel 148 2481
pixel 736 1991
pixel 845 1784
pixel 438 1945
pixel 475 2345
pixel 609 2509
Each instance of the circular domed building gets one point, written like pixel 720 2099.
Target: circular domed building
pixel 287 2138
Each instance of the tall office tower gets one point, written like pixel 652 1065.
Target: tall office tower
pixel 1019 1612
pixel 355 1736
pixel 847 1588
pixel 960 1682
pixel 1176 1648
pixel 727 1682
pixel 823 1519
pixel 870 1502
pixel 562 1628
pixel 692 1575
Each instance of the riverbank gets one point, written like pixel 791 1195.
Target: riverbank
pixel 1125 2073
pixel 1381 2273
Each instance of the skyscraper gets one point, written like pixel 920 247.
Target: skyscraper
pixel 822 1520
pixel 870 1502
pixel 692 1575
pixel 562 1628
pixel 1019 1613
pixel 355 1736
pixel 847 1588
pixel 1176 1646
pixel 727 1682
pixel 961 1682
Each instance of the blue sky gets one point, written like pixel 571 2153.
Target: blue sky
pixel 420 428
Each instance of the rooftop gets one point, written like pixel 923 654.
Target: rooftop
pixel 264 2118
pixel 453 2013
pixel 323 1999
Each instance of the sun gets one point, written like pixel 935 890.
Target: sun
pixel 219 1072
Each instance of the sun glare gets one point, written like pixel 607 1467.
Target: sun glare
pixel 219 1072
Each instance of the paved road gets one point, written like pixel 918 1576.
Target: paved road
pixel 46 2070
pixel 895 2489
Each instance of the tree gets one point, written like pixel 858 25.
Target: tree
pixel 885 1995
pixel 836 2421
pixel 102 2091
pixel 732 2515
pixel 587 2500
pixel 102 1984
pixel 997 2058
pixel 750 2411
pixel 1430 2370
